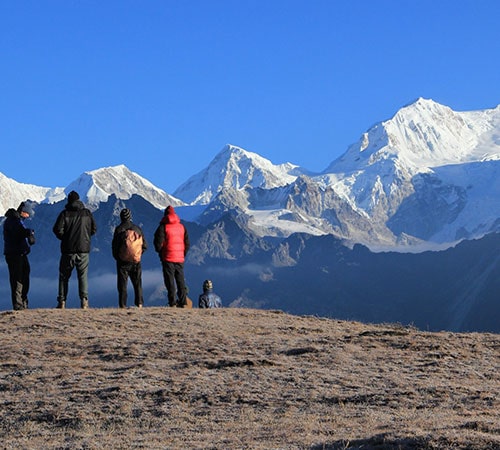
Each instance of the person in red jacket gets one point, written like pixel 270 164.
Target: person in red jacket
pixel 171 242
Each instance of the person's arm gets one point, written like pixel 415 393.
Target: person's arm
pixel 93 226
pixel 186 242
pixel 58 228
pixel 114 244
pixel 159 238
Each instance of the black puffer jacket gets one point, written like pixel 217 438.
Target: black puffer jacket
pixel 15 234
pixel 74 227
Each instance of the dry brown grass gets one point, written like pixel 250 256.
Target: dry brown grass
pixel 238 378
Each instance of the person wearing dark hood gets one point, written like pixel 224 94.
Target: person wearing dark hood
pixel 171 242
pixel 74 227
pixel 17 244
pixel 127 247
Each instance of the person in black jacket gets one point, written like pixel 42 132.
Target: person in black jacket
pixel 128 261
pixel 17 245
pixel 74 227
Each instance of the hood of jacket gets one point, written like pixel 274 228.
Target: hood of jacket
pixel 171 217
pixel 12 213
pixel 75 206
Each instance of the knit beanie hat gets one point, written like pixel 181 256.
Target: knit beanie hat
pixel 25 208
pixel 73 197
pixel 126 215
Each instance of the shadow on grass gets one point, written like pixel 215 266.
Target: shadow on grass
pixel 379 442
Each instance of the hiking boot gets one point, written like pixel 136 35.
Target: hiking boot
pixel 85 303
pixel 139 305
pixel 61 304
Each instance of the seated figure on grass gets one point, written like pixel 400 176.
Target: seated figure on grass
pixel 209 299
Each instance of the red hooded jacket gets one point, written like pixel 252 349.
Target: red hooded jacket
pixel 171 240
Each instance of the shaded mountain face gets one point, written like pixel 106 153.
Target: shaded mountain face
pixel 275 236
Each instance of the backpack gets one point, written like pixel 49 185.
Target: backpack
pixel 131 248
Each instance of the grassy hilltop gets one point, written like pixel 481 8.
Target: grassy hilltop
pixel 161 378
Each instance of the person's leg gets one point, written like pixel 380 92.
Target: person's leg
pixel 121 283
pixel 82 267
pixel 14 264
pixel 168 278
pixel 181 284
pixel 136 279
pixel 26 269
pixel 66 265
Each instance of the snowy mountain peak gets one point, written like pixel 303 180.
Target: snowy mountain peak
pixel 236 168
pixel 97 185
pixel 423 135
pixel 14 193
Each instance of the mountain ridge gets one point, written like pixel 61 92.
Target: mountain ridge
pixel 417 178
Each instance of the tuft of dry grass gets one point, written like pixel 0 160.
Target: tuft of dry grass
pixel 160 378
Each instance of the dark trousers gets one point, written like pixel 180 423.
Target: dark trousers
pixel 123 271
pixel 173 276
pixel 19 277
pixel 68 262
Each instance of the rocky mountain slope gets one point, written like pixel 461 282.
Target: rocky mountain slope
pixel 199 379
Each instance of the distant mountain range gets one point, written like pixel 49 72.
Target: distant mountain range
pixel 428 178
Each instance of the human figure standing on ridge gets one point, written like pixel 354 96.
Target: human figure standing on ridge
pixel 209 299
pixel 74 227
pixel 17 244
pixel 171 242
pixel 127 246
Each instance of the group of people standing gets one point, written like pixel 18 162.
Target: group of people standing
pixel 74 227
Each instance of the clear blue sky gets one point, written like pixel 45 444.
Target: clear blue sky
pixel 161 86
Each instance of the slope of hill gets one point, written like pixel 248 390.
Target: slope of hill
pixel 199 379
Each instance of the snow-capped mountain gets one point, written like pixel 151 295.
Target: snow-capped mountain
pixel 429 172
pixel 13 193
pixel 235 168
pixel 96 186
pixel 428 176
pixel 423 135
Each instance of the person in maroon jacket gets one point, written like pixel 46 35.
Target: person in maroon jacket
pixel 171 242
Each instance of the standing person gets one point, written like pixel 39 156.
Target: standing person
pixel 127 246
pixel 171 242
pixel 17 244
pixel 209 299
pixel 74 227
